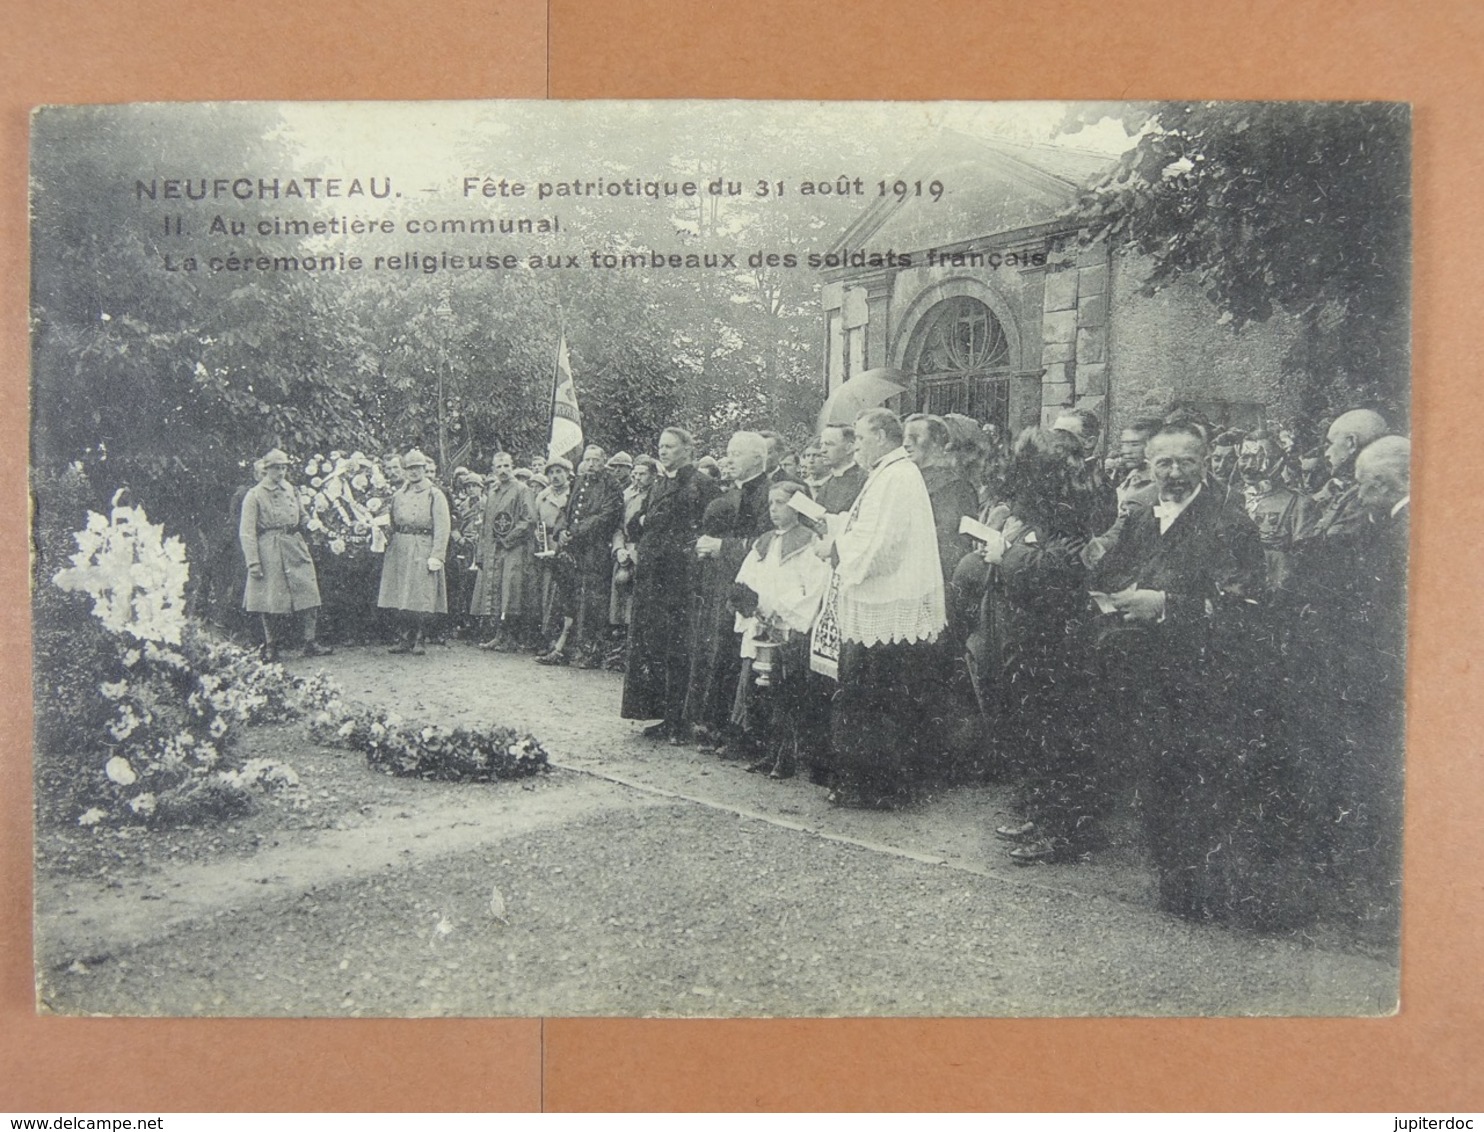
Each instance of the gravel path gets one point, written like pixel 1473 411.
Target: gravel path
pixel 640 879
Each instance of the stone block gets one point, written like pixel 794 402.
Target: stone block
pixel 1093 254
pixel 1092 344
pixel 832 296
pixel 1059 326
pixel 1056 393
pixel 855 308
pixel 1098 405
pixel 1092 379
pixel 1057 352
pixel 1059 373
pixel 1092 280
pixel 1092 310
pixel 1061 290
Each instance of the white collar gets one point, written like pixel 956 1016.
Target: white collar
pixel 836 473
pixel 1168 510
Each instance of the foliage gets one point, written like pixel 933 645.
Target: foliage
pixel 1293 206
pixel 458 754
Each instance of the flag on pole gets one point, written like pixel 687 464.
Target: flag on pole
pixel 566 420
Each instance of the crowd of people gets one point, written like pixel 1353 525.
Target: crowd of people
pixel 1203 626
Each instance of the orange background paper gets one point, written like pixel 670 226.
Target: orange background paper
pixel 1426 1058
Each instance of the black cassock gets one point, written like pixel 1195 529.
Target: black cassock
pixel 664 587
pixel 737 517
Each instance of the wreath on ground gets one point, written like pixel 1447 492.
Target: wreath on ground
pixel 443 754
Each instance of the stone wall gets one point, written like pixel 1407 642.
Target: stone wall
pixel 1172 345
pixel 1074 332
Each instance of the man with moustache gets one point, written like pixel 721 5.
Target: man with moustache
pixel 658 670
pixel 1178 569
pixel 1279 513
pixel 585 547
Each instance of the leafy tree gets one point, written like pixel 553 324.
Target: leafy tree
pixel 1293 206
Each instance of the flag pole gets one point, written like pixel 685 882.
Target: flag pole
pixel 556 378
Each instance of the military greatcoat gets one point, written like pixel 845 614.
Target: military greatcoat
pixel 269 533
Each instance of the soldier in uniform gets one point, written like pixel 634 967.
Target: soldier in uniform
pixel 1280 513
pixel 280 574
pixel 584 547
pixel 502 557
pixel 412 576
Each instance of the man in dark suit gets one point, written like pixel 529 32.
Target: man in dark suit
pixel 844 477
pixel 1364 720
pixel 1179 570
pixel 1102 496
pixel 730 525
pixel 594 510
pixel 664 589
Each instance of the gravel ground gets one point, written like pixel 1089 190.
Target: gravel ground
pixel 639 879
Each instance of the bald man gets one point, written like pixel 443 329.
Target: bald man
pixel 1340 512
pixel 1364 756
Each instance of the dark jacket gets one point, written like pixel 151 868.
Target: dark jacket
pixel 594 512
pixel 840 491
pixel 952 497
pixel 1208 563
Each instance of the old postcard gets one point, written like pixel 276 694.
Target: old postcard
pixel 720 558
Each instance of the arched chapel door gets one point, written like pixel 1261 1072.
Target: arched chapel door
pixel 960 357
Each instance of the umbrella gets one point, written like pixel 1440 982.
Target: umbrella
pixel 863 391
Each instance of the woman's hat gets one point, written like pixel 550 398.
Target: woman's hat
pixel 276 456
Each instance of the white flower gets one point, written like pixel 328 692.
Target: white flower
pixel 346 729
pixel 92 817
pixel 337 546
pixel 131 658
pixel 142 804
pixel 122 727
pixel 312 467
pixel 360 482
pixel 119 771
pixel 115 691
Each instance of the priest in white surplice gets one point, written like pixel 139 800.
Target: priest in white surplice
pixel 883 609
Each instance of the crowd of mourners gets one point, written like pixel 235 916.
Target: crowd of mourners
pixel 1203 628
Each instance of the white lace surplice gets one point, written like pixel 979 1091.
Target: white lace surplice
pixel 890 585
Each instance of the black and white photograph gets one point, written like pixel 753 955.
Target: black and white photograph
pixel 720 559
